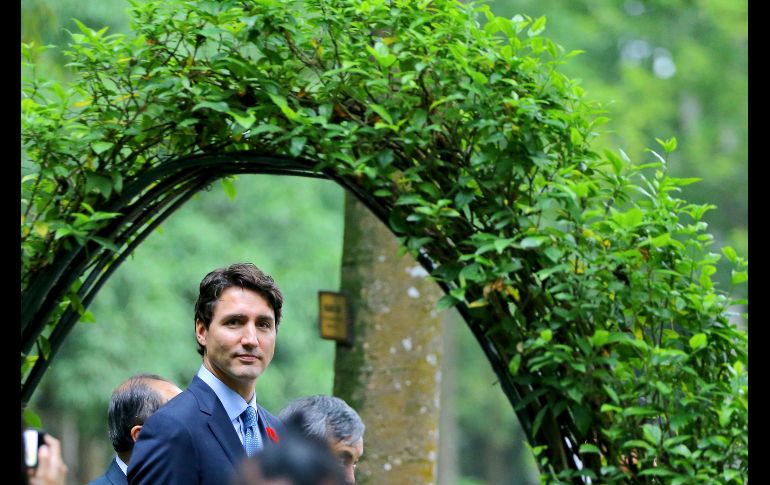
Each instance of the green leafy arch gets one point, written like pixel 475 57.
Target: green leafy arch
pixel 585 280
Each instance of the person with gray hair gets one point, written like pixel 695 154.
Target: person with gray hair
pixel 131 404
pixel 332 420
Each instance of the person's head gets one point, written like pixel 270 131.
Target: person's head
pixel 331 419
pixel 131 404
pixel 297 459
pixel 236 320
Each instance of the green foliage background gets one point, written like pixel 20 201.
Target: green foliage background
pixel 667 68
pixel 191 243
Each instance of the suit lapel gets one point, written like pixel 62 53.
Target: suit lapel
pixel 269 427
pixel 217 420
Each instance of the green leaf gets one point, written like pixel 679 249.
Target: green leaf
pixel 668 145
pixel 739 277
pixel 87 317
pixel 546 272
pixel 246 122
pixel 462 199
pixel 219 106
pixel 659 472
pixel 471 272
pixel 636 444
pixel 446 302
pixel 281 102
pixel 589 448
pixel 31 419
pixel 662 240
pixel 575 137
pixel 609 408
pixel 730 254
pixel 102 185
pixel 513 365
pixel 652 433
pixel 532 242
pixel 681 449
pixel 478 78
pixel 583 417
pixel 382 112
pixel 699 340
pixel 229 187
pixel 630 219
pixel 615 160
pixel 539 420
pixel 724 416
pixel 600 338
pixel 501 244
pixel 117 182
pixel 45 345
pixel 537 27
pixel 381 54
pixel 297 144
pixel 546 335
pixel 639 411
pixel 101 146
pixel 106 243
pixel 682 182
pixel 611 393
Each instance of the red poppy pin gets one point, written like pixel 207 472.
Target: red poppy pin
pixel 272 434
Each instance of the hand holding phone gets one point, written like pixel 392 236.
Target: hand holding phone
pixel 44 465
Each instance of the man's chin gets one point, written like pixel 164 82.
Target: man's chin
pixel 250 373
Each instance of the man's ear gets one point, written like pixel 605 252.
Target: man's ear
pixel 200 332
pixel 135 432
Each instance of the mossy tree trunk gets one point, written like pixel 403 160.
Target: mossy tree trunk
pixel 392 372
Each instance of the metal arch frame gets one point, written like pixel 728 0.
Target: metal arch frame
pixel 144 205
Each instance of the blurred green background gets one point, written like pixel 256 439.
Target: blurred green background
pixel 659 68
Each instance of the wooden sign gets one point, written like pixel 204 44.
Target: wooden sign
pixel 334 320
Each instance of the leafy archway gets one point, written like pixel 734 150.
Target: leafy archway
pixel 585 280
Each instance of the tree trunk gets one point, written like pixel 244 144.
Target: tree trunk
pixel 392 373
pixel 448 462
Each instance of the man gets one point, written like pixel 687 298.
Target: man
pixel 204 433
pixel 299 459
pixel 331 419
pixel 130 406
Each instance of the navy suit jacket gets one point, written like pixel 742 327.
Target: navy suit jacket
pixel 113 476
pixel 190 440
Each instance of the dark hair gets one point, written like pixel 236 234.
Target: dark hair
pixel 130 405
pixel 243 275
pixel 326 417
pixel 298 458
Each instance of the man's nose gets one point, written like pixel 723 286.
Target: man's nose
pixel 250 337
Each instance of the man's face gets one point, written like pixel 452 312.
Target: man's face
pixel 348 456
pixel 240 340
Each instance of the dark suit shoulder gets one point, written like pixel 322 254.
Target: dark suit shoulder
pixel 102 480
pixel 113 476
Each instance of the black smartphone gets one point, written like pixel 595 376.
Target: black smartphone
pixel 33 438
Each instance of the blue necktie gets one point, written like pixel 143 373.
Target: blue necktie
pixel 252 441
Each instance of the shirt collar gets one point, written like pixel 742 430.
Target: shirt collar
pixel 122 465
pixel 231 400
